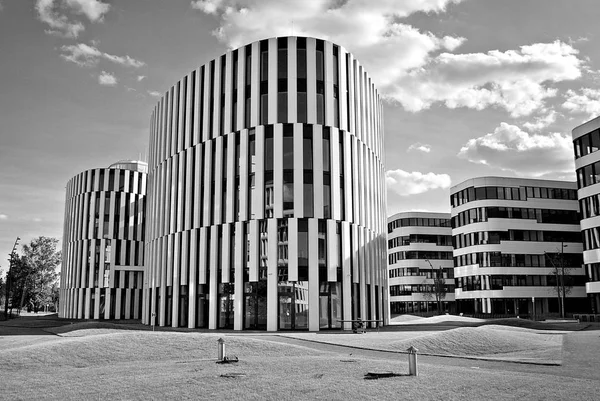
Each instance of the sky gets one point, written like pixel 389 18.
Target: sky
pixel 470 87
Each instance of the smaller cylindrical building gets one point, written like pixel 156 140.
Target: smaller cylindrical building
pixel 103 243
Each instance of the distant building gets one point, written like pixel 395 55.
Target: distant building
pixel 419 250
pixel 511 236
pixel 266 194
pixel 102 270
pixel 586 140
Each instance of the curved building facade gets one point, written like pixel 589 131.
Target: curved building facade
pixel 586 140
pixel 419 254
pixel 266 198
pixel 102 270
pixel 512 237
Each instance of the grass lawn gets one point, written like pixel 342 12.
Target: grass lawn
pixel 489 342
pixel 113 364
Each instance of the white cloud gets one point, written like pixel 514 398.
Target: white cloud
pixel 140 77
pixel 106 78
pixel 59 23
pixel 87 56
pixel 3 217
pixel 517 81
pixel 404 183
pixel 94 10
pixel 130 89
pixel 405 62
pixel 422 147
pixel 542 122
pixel 586 101
pixel 37 219
pixel 511 149
pixel 1 6
pixel 155 93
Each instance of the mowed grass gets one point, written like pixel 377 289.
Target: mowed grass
pixel 489 342
pixel 111 364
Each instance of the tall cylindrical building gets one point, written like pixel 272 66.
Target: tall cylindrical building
pixel 103 243
pixel 266 196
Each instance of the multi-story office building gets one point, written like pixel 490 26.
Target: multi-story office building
pixel 102 268
pixel 419 258
pixel 586 140
pixel 512 238
pixel 266 199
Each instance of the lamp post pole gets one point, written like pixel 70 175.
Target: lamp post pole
pixel 8 278
pixel 562 278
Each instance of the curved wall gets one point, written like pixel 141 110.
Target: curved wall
pixel 586 140
pixel 508 233
pixel 103 244
pixel 266 198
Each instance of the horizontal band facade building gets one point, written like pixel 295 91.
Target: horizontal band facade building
pixel 420 265
pixel 512 239
pixel 586 140
pixel 266 198
pixel 102 268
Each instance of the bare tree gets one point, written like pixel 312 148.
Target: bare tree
pixel 437 288
pixel 562 279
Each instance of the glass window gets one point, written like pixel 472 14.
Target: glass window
pixel 490 193
pixel 480 193
pixel 594 141
pixel 585 145
pixel 282 107
pixel 288 147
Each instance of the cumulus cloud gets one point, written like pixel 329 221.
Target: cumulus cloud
pixel 140 77
pixel 511 149
pixel 587 101
pixel 154 93
pixel 107 79
pixel 517 81
pixel 421 147
pixel 53 13
pixel 369 28
pixel 411 67
pixel 94 10
pixel 542 122
pixel 59 24
pixel 3 217
pixel 86 56
pixel 404 183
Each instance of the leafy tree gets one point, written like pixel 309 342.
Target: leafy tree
pixel 39 272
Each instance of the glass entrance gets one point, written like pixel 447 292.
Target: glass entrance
pixel 293 305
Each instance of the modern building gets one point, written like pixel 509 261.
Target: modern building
pixel 102 268
pixel 420 264
pixel 513 239
pixel 586 141
pixel 266 194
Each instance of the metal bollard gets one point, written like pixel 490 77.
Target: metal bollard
pixel 412 361
pixel 221 349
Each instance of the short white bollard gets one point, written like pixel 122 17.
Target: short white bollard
pixel 221 349
pixel 412 361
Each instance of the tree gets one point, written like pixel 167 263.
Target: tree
pixel 437 288
pixel 39 273
pixel 561 279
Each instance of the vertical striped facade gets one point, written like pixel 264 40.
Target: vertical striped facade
pixel 102 268
pixel 266 193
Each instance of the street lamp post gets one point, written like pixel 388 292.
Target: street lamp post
pixel 562 277
pixel 8 277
